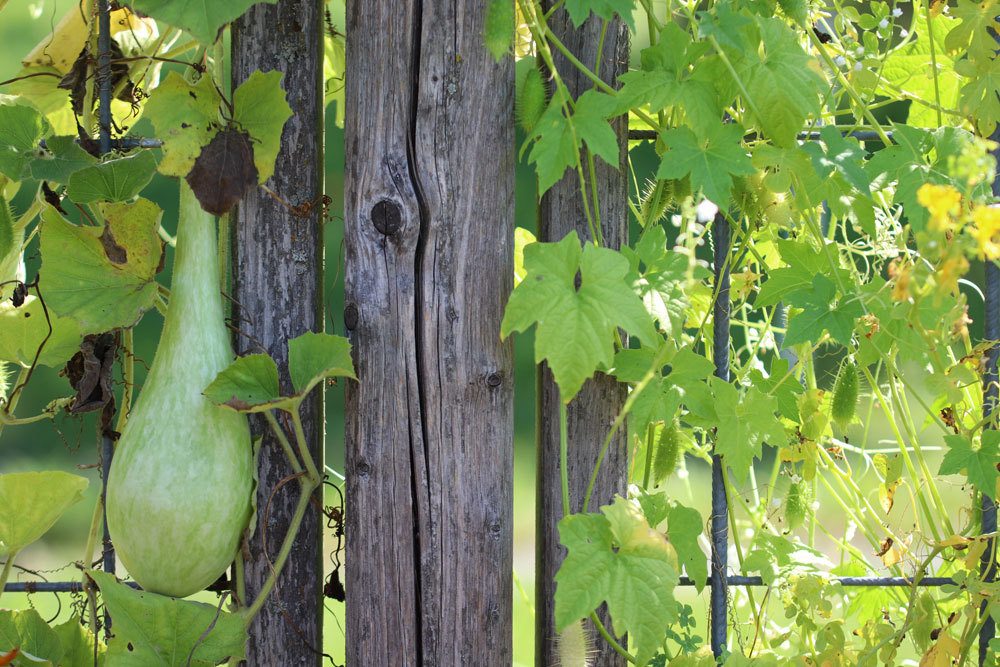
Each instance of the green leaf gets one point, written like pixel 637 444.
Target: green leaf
pixel 31 502
pixel 910 69
pixel 776 556
pixel 26 630
pixel 590 119
pixel 618 559
pixel 684 525
pixel 21 128
pixel 62 157
pixel 554 147
pixel 580 10
pixel 261 109
pixel 78 644
pixel 822 312
pixel 158 631
pixel 711 159
pixel 782 385
pixel 102 277
pixel 22 330
pixel 498 31
pixel 185 117
pixel 781 83
pixel 202 18
pixel 746 422
pixel 972 28
pixel 312 357
pixel 249 384
pixel 978 465
pixel 576 327
pixel 115 180
pixel 558 139
pixel 978 97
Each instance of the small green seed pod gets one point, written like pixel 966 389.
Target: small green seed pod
pixel 796 504
pixel 666 453
pixel 845 394
pixel 530 97
pixel 574 647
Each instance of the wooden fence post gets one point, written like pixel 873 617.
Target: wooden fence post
pixel 429 210
pixel 599 402
pixel 278 293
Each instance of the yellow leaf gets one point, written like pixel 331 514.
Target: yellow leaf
pixel 941 654
pixel 956 541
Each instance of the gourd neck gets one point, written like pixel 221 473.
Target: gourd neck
pixel 195 299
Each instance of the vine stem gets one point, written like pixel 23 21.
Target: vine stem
pixel 618 648
pixel 307 488
pixel 620 419
pixel 308 483
pixel 564 457
pixel 7 567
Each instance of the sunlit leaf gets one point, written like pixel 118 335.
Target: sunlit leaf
pixel 31 502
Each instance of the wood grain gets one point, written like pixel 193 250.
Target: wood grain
pixel 600 400
pixel 429 210
pixel 278 291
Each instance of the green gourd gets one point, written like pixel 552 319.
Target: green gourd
pixel 180 483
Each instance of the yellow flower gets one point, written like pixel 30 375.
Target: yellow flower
pixel 943 202
pixel 987 230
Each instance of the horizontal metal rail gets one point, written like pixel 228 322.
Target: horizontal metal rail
pixel 31 587
pixel 895 582
pixel 860 135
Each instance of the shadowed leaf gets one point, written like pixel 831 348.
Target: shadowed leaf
pixel 224 171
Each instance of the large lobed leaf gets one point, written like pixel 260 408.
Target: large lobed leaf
pixel 202 18
pixel 576 325
pixel 617 558
pixel 158 631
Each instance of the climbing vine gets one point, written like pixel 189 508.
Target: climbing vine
pixel 840 151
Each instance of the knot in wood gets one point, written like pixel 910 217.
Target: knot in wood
pixel 351 316
pixel 387 217
pixel 364 468
pixel 494 379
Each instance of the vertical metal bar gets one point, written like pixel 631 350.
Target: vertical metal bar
pixel 103 77
pixel 991 393
pixel 103 80
pixel 720 504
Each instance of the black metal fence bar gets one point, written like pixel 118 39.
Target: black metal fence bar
pixel 860 135
pixel 718 625
pixel 991 394
pixel 892 582
pixel 51 587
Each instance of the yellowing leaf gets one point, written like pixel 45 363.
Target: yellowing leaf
pixel 23 329
pixel 185 117
pixel 942 653
pixel 103 277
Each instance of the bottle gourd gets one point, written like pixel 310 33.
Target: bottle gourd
pixel 179 488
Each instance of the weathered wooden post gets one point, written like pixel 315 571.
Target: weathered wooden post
pixel 429 211
pixel 599 402
pixel 278 294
